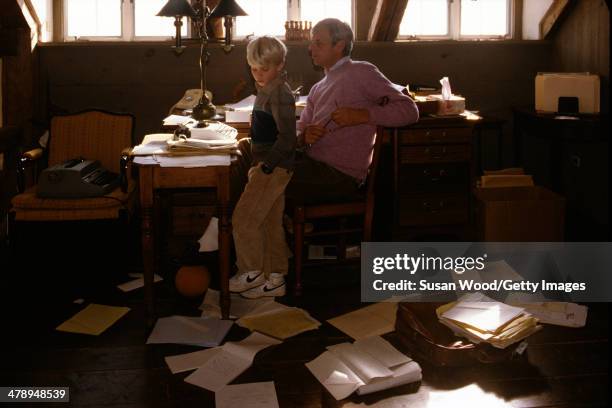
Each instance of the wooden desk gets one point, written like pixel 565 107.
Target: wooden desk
pixel 153 178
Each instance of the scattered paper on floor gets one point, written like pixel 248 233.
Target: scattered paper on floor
pixel 137 283
pixel 94 319
pixel 194 331
pixel 252 395
pixel 372 320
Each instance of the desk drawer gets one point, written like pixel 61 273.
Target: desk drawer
pixel 436 135
pixel 444 177
pixel 434 209
pixel 435 154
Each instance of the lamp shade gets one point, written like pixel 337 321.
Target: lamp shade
pixel 227 8
pixel 175 8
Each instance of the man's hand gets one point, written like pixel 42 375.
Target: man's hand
pixel 350 116
pixel 313 133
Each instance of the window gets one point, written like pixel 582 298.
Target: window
pixel 456 19
pixel 269 16
pixel 117 20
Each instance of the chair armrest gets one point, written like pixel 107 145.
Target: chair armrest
pixel 27 159
pixel 126 156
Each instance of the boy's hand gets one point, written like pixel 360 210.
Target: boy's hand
pixel 350 116
pixel 313 133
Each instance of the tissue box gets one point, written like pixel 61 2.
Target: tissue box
pixel 453 106
pixel 426 105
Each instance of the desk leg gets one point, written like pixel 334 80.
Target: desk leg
pixel 148 241
pixel 223 194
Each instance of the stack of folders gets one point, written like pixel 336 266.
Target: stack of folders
pixel 482 319
pixel 367 365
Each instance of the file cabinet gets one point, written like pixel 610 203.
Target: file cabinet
pixel 434 169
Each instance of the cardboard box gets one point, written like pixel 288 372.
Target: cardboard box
pixel 519 214
pixel 549 87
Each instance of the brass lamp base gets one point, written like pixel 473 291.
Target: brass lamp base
pixel 204 110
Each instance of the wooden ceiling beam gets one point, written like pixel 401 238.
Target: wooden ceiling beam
pixel 386 21
pixel 552 16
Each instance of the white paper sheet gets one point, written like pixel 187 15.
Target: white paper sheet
pixel 245 105
pixel 193 161
pixel 362 364
pixel 210 239
pixel 174 120
pixel 189 330
pixel 232 360
pixel 251 395
pixel 190 361
pixel 382 351
pixel 137 283
pixel 486 316
pixel 335 376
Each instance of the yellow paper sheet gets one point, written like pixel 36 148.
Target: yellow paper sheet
pixel 94 319
pixel 372 320
pixel 281 325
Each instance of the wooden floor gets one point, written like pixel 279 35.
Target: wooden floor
pixel 561 368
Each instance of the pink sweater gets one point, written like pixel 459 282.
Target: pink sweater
pixel 355 84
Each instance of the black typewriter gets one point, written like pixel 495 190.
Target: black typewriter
pixel 76 178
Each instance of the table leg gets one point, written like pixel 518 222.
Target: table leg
pixel 223 200
pixel 148 241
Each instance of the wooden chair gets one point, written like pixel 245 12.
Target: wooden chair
pixel 91 134
pixel 363 207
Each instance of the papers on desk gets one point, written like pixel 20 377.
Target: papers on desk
pixel 176 120
pixel 230 360
pixel 373 320
pixel 194 331
pixel 278 321
pixel 367 365
pixel 482 319
pixel 240 112
pixel 94 319
pixel 154 150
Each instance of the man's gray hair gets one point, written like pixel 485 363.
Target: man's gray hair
pixel 338 31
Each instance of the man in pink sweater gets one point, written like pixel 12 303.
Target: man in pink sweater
pixel 338 125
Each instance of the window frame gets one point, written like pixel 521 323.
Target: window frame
pixel 294 13
pixel 128 27
pixel 454 26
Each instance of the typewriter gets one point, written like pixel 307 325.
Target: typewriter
pixel 76 178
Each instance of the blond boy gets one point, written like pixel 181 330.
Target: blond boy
pixel 261 249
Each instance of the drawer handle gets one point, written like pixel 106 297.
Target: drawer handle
pixel 431 136
pixel 435 156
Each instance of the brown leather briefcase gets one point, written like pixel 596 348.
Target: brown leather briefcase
pixel 425 338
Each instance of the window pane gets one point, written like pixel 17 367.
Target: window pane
pixel 88 18
pixel 149 24
pixel 484 17
pixel 317 10
pixel 425 17
pixel 264 17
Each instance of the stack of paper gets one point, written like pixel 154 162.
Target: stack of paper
pixel 482 319
pixel 365 366
pixel 175 120
pixel 189 330
pixel 279 321
pixel 558 313
pixel 215 138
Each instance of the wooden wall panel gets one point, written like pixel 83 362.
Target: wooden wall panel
pixel 582 43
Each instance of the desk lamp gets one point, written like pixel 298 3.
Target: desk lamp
pixel 228 9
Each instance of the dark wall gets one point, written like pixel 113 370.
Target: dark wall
pixel 147 79
pixel 582 43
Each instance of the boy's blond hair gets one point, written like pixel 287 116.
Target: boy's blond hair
pixel 265 51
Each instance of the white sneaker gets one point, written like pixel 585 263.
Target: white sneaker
pixel 245 281
pixel 271 288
